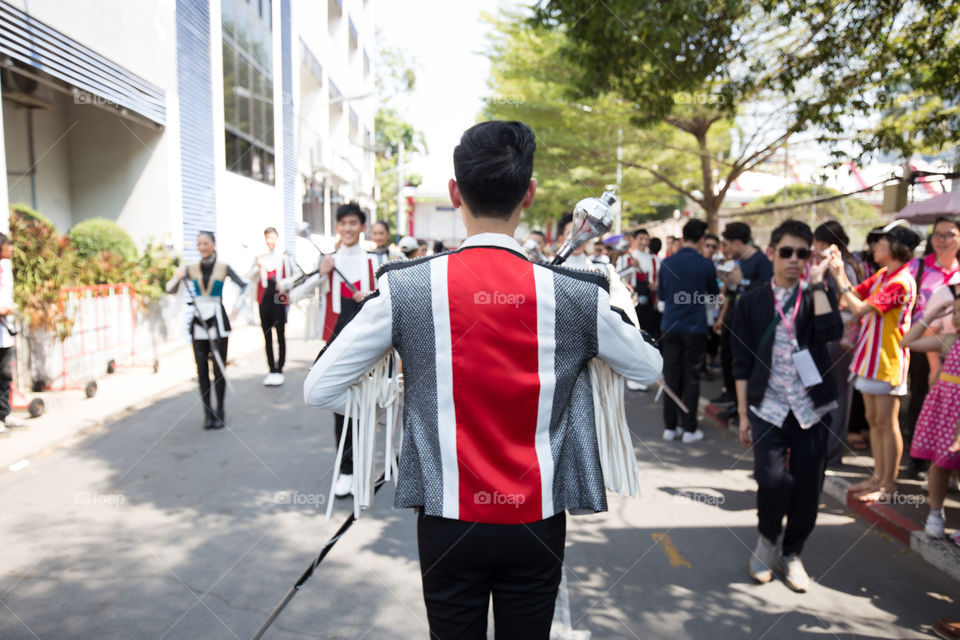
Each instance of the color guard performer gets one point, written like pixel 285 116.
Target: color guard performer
pixel 210 326
pixel 499 435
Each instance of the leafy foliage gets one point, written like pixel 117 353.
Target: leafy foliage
pixel 45 262
pixel 828 66
pixel 98 235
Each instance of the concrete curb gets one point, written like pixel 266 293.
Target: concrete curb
pixel 942 554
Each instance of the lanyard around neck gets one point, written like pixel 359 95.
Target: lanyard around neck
pixel 793 317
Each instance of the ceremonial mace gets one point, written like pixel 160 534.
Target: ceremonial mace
pixel 304 232
pixel 593 217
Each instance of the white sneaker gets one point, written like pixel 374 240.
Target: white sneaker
pixel 3 430
pixel 762 560
pixel 344 486
pixel 794 574
pixel 278 379
pixel 692 436
pixel 268 380
pixel 636 386
pixel 934 527
pixel 13 422
pixel 670 434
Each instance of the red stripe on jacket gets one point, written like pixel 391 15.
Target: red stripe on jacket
pixel 496 384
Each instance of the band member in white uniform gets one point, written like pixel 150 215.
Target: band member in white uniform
pixel 210 326
pixel 270 272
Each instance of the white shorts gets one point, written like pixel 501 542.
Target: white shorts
pixel 879 387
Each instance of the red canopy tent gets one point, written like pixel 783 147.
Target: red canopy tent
pixel 926 211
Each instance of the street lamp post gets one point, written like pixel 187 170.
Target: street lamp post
pixel 401 205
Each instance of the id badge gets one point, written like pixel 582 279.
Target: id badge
pixel 809 375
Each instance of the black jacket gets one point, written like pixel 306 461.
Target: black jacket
pixel 753 313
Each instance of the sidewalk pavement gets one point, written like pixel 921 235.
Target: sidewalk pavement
pixel 901 519
pixel 69 415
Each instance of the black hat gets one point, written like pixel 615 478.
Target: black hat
pixel 897 232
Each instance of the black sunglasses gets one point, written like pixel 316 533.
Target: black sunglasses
pixel 787 252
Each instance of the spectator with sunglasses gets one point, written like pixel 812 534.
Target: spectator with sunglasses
pixel 785 393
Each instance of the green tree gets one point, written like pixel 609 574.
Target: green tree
pixel 577 143
pixel 778 67
pixel 395 76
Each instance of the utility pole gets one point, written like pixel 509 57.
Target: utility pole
pixel 618 222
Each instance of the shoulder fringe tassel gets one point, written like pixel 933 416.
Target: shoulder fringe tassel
pixel 617 459
pixel 379 392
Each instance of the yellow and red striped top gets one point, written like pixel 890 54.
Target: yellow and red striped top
pixel 879 353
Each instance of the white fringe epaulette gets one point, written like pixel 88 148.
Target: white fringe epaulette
pixel 380 390
pixel 618 461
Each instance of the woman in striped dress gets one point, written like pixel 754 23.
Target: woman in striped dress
pixel 880 361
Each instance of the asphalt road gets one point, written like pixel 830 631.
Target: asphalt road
pixel 153 528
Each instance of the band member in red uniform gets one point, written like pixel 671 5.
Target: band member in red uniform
pixel 270 272
pixel 499 437
pixel 343 289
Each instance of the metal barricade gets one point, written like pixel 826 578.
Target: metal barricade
pixel 102 337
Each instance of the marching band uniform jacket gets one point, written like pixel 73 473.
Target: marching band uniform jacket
pixel 498 407
pixel 206 279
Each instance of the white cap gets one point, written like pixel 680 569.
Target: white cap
pixel 408 243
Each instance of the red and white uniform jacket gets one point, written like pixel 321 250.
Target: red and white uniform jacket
pixel 274 265
pixel 359 267
pixel 498 407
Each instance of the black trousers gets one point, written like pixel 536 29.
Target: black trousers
pixel 683 355
pixel 726 355
pixel 6 378
pixel 462 563
pixel 273 317
pixel 202 354
pixel 788 465
pixel 918 383
pixel 346 462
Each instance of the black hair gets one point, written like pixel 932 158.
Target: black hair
pixel 693 231
pixel 351 209
pixel 793 228
pixel 4 239
pixel 562 223
pixel 641 232
pixel 538 233
pixel 737 231
pixel 655 245
pixel 954 220
pixel 438 246
pixel 209 234
pixel 711 236
pixel 383 223
pixel 831 232
pixel 928 247
pixel 901 252
pixel 493 165
pixel 270 230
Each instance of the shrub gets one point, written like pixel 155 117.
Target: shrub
pixel 96 235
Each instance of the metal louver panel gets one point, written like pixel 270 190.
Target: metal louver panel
pixel 32 43
pixel 288 151
pixel 194 86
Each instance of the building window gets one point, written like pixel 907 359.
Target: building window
pixel 248 88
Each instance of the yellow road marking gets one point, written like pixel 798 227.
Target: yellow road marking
pixel 673 555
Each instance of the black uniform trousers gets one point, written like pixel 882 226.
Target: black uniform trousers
pixel 202 353
pixel 273 317
pixel 6 378
pixel 462 563
pixel 683 355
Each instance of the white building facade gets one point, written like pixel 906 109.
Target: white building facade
pixel 175 116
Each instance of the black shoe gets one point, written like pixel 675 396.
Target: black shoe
pixel 218 420
pixel 728 414
pixel 209 419
pixel 723 400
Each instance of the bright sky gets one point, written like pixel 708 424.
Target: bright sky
pixel 446 40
